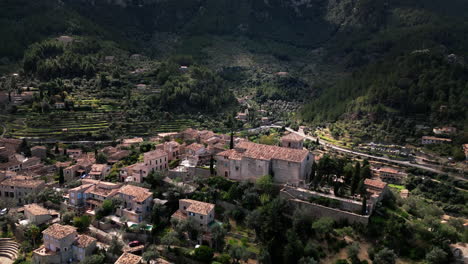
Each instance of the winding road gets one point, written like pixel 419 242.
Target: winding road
pixel 388 160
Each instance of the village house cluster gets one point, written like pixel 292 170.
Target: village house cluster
pixel 184 156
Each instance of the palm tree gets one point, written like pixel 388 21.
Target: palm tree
pixel 34 232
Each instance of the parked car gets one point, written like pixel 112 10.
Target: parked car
pixel 4 211
pixel 134 243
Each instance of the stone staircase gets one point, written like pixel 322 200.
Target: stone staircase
pixel 8 248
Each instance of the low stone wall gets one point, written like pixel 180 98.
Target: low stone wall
pixel 200 172
pixel 318 211
pixel 302 194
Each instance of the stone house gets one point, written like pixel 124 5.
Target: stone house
pixel 129 258
pixel 203 213
pixel 65 39
pixel 134 172
pixel 434 140
pixel 99 171
pixel 172 148
pixel 292 140
pixel 390 175
pixel 73 171
pixel 12 165
pixel 57 248
pixel 195 149
pixel 38 215
pixel 249 161
pixel 91 194
pixel 62 244
pixel 76 196
pixel 156 160
pixel 83 247
pixel 30 163
pixel 39 151
pixel 17 188
pixel 114 154
pixel 131 141
pixel 74 153
pixel 376 190
pixel 189 134
pixel 137 202
pixel 444 130
pixel 59 105
pixel 98 192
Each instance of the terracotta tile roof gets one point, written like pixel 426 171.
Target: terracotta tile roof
pixel 389 170
pixel 38 147
pixel 436 138
pixel 128 258
pixel 132 140
pixel 11 163
pixel 59 231
pixel 195 147
pixel 375 183
pixel 140 194
pixel 24 182
pixel 84 241
pixel 98 168
pixel 199 207
pixel 81 188
pixel 264 152
pixel 293 137
pixel 172 143
pixel 155 154
pixel 36 209
pixel 179 215
pixel 63 164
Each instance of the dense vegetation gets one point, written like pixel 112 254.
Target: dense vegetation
pixel 412 85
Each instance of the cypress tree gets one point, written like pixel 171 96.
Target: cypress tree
pixel 231 144
pixel 212 171
pixel 61 177
pixel 356 177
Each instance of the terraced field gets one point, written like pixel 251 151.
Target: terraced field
pixel 68 124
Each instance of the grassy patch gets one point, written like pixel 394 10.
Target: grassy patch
pixel 398 187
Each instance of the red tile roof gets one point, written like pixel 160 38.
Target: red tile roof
pixel 84 241
pixel 59 231
pixel 24 182
pixel 264 152
pixel 140 194
pixel 436 138
pixel 293 137
pixel 375 183
pixel 389 170
pixel 155 154
pixel 199 207
pixel 128 258
pixel 195 147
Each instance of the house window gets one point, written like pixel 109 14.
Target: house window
pixel 201 216
pixel 185 207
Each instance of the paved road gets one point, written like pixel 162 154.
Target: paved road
pixel 352 152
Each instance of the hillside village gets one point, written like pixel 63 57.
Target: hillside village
pixel 161 199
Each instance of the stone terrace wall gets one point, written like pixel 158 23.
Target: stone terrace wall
pixel 318 211
pixel 345 204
